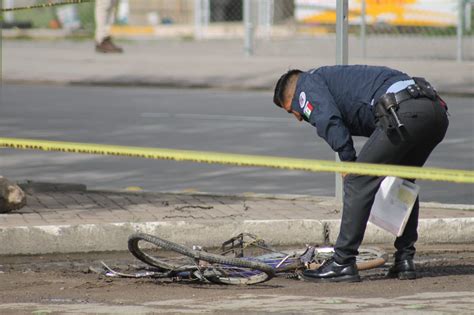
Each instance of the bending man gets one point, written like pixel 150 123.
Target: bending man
pixel 345 101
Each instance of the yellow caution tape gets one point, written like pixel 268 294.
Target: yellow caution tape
pixel 428 173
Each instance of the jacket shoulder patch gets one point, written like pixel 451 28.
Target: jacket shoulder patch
pixel 308 109
pixel 302 99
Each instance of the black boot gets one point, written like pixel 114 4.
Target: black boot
pixel 402 269
pixel 331 271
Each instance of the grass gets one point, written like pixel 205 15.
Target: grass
pixel 41 18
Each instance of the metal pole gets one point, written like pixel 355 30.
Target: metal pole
pixel 202 11
pixel 197 19
pixel 459 30
pixel 271 11
pixel 265 17
pixel 206 13
pixel 467 15
pixel 341 59
pixel 248 28
pixel 363 29
pixel 341 32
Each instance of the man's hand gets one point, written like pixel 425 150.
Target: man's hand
pixel 343 175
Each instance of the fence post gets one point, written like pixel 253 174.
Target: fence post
pixel 341 59
pixel 197 19
pixel 459 31
pixel 206 7
pixel 467 15
pixel 248 28
pixel 265 17
pixel 363 28
pixel 201 17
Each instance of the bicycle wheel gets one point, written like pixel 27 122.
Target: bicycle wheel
pixel 217 268
pixel 162 263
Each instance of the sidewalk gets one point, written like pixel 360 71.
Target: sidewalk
pixel 209 63
pixel 61 218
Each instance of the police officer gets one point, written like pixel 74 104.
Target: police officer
pixel 404 119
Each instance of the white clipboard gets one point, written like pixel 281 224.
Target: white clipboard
pixel 393 204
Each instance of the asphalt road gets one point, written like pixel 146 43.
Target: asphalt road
pixel 226 121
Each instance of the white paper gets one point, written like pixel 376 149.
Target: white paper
pixel 393 204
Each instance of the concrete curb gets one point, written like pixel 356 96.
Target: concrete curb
pixel 22 240
pixel 113 236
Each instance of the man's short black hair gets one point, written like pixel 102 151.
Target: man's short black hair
pixel 281 86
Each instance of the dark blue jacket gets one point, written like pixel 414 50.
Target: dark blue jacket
pixel 337 101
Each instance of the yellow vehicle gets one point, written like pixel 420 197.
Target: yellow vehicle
pixel 404 13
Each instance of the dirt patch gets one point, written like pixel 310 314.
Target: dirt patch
pixel 66 280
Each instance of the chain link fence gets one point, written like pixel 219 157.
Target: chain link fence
pixel 377 28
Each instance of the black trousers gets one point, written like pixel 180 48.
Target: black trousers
pixel 426 123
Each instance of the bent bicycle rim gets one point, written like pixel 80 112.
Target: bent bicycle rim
pixel 217 268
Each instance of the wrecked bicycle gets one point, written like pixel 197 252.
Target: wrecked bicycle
pixel 243 259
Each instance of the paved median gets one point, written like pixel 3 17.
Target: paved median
pixel 69 218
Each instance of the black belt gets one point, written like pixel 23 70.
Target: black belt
pixel 388 104
pixel 411 91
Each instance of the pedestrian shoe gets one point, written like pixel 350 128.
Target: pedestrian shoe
pixel 402 269
pixel 107 46
pixel 331 271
